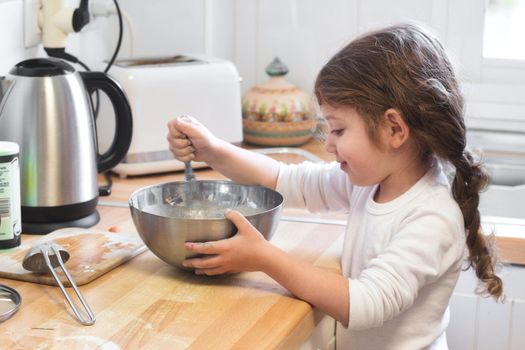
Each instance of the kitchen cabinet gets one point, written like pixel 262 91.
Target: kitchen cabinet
pixel 478 323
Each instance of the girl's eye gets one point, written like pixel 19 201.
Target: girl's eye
pixel 337 132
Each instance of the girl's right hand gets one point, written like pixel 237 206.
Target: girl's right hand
pixel 190 140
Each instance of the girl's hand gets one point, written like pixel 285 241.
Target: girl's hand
pixel 190 140
pixel 242 252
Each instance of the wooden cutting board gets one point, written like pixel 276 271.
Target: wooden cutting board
pixel 93 252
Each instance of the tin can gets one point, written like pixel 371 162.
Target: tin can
pixel 10 218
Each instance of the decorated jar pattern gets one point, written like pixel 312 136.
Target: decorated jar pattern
pixel 277 113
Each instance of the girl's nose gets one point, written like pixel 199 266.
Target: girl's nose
pixel 329 146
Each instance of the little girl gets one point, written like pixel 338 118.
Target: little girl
pixel 395 115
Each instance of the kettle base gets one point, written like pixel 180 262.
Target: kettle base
pixel 44 228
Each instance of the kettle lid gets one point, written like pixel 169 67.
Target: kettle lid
pixel 42 67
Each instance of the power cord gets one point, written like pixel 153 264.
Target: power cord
pixel 119 41
pixel 105 190
pixel 79 16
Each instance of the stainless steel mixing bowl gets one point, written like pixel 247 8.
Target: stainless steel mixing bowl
pixel 170 214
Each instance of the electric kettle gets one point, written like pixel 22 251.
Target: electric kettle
pixel 45 107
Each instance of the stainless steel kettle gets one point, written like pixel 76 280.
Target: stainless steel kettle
pixel 46 109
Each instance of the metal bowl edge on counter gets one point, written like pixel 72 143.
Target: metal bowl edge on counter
pixel 168 215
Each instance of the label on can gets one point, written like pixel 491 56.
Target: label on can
pixel 10 225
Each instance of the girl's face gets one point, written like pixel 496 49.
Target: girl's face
pixel 363 161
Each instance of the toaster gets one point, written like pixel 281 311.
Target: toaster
pixel 160 89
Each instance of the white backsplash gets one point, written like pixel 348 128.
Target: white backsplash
pixel 304 34
pixel 167 28
pixel 11 34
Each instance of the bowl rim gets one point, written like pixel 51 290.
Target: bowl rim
pixel 134 193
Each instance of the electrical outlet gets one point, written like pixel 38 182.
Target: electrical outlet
pixel 32 31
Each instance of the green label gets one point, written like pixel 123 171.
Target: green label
pixel 9 200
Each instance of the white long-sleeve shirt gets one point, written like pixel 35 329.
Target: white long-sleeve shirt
pixel 402 258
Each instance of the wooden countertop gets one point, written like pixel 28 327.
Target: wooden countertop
pixel 147 303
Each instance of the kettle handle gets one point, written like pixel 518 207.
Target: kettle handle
pixel 123 119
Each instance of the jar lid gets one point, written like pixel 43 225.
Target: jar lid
pixel 9 302
pixel 8 148
pixel 276 68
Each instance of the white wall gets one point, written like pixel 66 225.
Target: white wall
pixel 11 35
pixel 168 28
pixel 304 33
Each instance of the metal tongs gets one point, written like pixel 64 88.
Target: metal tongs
pixel 45 257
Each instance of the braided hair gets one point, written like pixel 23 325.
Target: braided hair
pixel 405 68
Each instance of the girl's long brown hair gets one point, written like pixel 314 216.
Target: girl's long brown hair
pixel 405 68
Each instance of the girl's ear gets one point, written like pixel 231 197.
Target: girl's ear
pixel 396 127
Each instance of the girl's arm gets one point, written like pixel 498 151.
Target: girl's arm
pixel 249 251
pixel 322 288
pixel 244 166
pixel 190 140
